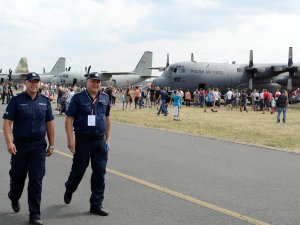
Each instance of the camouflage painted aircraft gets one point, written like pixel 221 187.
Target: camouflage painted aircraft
pixel 21 69
pixel 193 75
pixel 120 79
pixel 58 68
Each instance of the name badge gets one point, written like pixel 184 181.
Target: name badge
pixel 91 120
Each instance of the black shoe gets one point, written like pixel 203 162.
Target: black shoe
pixel 15 206
pixel 68 197
pixel 99 212
pixel 36 221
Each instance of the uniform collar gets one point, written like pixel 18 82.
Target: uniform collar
pixel 88 94
pixel 28 96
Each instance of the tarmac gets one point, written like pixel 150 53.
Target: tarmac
pixel 157 177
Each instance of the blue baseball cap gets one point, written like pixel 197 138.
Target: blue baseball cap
pixel 93 76
pixel 32 76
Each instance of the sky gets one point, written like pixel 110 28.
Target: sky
pixel 112 35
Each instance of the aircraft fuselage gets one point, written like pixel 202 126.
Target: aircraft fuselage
pixel 194 75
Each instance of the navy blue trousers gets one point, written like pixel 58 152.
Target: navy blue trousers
pixel 97 152
pixel 30 159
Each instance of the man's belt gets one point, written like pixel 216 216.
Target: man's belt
pixel 85 137
pixel 27 139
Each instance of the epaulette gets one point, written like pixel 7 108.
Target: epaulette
pixel 103 93
pixel 44 96
pixel 77 93
pixel 19 94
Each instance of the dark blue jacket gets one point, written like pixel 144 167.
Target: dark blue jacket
pixel 81 106
pixel 29 115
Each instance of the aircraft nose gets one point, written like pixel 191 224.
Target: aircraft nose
pixel 157 82
pixel 53 80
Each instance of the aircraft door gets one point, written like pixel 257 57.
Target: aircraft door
pixel 201 85
pixel 2 80
pixel 74 81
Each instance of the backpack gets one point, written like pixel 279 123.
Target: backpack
pixel 279 102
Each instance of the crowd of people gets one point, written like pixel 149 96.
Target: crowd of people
pixel 161 98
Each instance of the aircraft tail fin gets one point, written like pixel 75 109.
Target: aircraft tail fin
pixel 59 66
pixel 144 64
pixel 22 66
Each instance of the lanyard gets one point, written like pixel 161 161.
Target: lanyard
pixel 93 102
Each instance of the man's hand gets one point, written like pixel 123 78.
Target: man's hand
pixel 49 151
pixel 11 148
pixel 71 146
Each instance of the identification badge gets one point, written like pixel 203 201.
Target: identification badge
pixel 91 120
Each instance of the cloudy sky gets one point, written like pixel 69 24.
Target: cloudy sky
pixel 112 35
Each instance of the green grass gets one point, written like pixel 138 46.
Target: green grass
pixel 253 127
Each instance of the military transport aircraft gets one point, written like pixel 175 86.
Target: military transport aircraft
pixel 193 75
pixel 120 79
pixel 22 68
pixel 45 77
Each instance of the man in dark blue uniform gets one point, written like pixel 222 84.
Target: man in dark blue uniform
pixel 31 116
pixel 88 113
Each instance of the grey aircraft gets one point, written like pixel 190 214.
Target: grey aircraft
pixel 194 75
pixel 119 79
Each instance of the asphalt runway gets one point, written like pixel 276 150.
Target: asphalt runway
pixel 158 177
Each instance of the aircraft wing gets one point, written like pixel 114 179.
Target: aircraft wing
pixel 115 73
pixel 160 69
pixel 107 75
pixel 147 76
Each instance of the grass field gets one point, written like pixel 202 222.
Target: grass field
pixel 253 127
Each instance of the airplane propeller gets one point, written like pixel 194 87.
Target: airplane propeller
pixel 167 62
pixel 0 70
pixel 250 69
pixel 253 72
pixel 44 70
pixel 192 57
pixel 291 69
pixel 9 74
pixel 87 70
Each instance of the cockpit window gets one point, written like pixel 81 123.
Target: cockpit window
pixel 170 68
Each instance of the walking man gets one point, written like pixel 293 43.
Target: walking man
pixel 88 113
pixel 31 116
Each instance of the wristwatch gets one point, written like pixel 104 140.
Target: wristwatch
pixel 51 147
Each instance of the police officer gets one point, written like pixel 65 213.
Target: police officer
pixel 31 116
pixel 88 113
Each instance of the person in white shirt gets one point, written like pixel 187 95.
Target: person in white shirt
pixel 255 99
pixel 69 96
pixel 229 99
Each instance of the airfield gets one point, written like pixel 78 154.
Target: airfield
pixel 156 176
